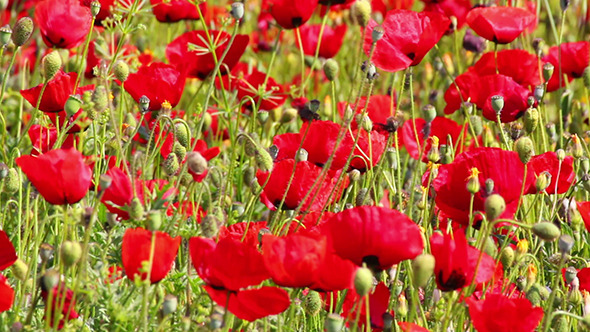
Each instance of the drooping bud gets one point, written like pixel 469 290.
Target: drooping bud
pixel 361 11
pixel 121 70
pixel 476 124
pixel 494 206
pixel 354 175
pixel 548 69
pixel 210 225
pixel 312 303
pixel 546 231
pixel 363 281
pixel 171 164
pixel 73 105
pixel 50 64
pixel 179 150
pixel 507 257
pixel 524 146
pixel 331 67
pixel 196 162
pixel 182 134
pixel 5 33
pixel 70 253
pixel 422 267
pixel 237 10
pixel 22 31
pixel 12 181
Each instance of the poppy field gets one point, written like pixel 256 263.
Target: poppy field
pixel 282 165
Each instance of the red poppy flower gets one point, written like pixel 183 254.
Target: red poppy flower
pixel 60 176
pixel 504 168
pixel 7 252
pixel 515 97
pixel 169 11
pixel 408 37
pixel 379 109
pixel 58 302
pixel 383 6
pixel 460 91
pixel 291 14
pixel 245 232
pixel 500 313
pixel 456 262
pixel 207 153
pixel 57 92
pixel 332 39
pixel 451 8
pixel 440 127
pixel 118 194
pixel 43 139
pixel 368 150
pixel 305 260
pixel 114 273
pixel 304 180
pixel 136 249
pixel 199 62
pixel 574 59
pixel 250 86
pixel 520 65
pixel 6 294
pixel 562 173
pixel 380 237
pixel 159 82
pixel 583 276
pixel 63 23
pixel 584 209
pixel 252 304
pixel 411 327
pixel 500 24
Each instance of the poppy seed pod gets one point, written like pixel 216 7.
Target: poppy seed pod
pixel 570 274
pixel 361 11
pixel 70 252
pixel 363 281
pixel 494 206
pixel 546 231
pixel 548 69
pixel 50 64
pixel 5 33
pixel 94 8
pixel 237 10
pixel 377 33
pixel 144 103
pixel 429 113
pixel 423 268
pixel 22 31
pixel 497 103
pixel 331 69
pixel 525 149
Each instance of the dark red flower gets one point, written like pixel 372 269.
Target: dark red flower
pixel 291 14
pixel 6 294
pixel 440 127
pixel 169 11
pixel 159 82
pixel 7 252
pixel 57 92
pixel 275 185
pixel 63 23
pixel 379 237
pixel 451 8
pixel 408 37
pixel 500 313
pixel 252 304
pixel 561 174
pixel 191 51
pixel 332 39
pixel 136 251
pixel 504 168
pixel 60 176
pixel 575 57
pixel 500 24
pixel 250 86
pixel 59 303
pixel 456 262
pixel 515 97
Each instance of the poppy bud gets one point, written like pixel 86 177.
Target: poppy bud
pixel 121 70
pixel 429 113
pixel 301 155
pixel 361 11
pixel 20 270
pixel 210 225
pixel 570 274
pixel 144 104
pixel 434 153
pixel 334 323
pixel 489 247
pixel 196 162
pixel 521 283
pixel 524 146
pixel 548 69
pixel 73 104
pixel 497 103
pixel 94 8
pixel 100 98
pixel 422 267
pixel 3 171
pixel 531 120
pixel 45 252
pixel 237 10
pixel 179 151
pixel 402 306
pixel 22 31
pixel 543 181
pixel 50 64
pixel 391 156
pixel 565 244
pixel 312 303
pixel 577 149
pixel 489 186
pixel 534 294
pixel 546 231
pixel 5 33
pixel 70 253
pixel 366 123
pixel 576 298
pixel 494 206
pixel 507 257
pixel 566 102
pixel 154 220
pixel 586 77
pixel 263 160
pixel 171 164
pixel 473 185
pixel 12 181
pixel 170 304
pixel 182 135
pixel 354 175
pixel 331 67
pixel 476 124
pixel 377 33
pixel 363 281
pixel 50 279
pixel 362 197
pixel 136 209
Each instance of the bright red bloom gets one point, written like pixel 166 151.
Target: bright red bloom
pixel 249 86
pixel 408 37
pixel 60 176
pixel 305 260
pixel 456 262
pixel 199 62
pixel 57 92
pixel 43 139
pixel 583 276
pixel 503 167
pixel 159 82
pixel 275 185
pixel 411 327
pixel 245 232
pixel 63 23
pixel 380 237
pixel 368 150
pixel 382 6
pixel 561 173
pixel 575 58
pixel 451 8
pixel 6 294
pixel 169 11
pixel 118 194
pixel 136 249
pixel 440 127
pixel 379 109
pixel 500 24
pixel 7 252
pixel 332 39
pixel 520 65
pixel 500 313
pixel 252 304
pixel 58 302
pixel 291 14
pixel 515 97
pixel 584 209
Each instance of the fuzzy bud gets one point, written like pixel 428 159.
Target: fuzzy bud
pixel 179 150
pixel 494 206
pixel 20 270
pixel 121 70
pixel 154 220
pixel 363 281
pixel 546 231
pixel 12 181
pixel 524 146
pixel 422 267
pixel 361 11
pixel 22 31
pixel 210 225
pixel 334 323
pixel 70 252
pixel 263 160
pixel 171 164
pixel 507 257
pixel 100 98
pixel 312 303
pixel 288 115
pixel 50 64
pixel 331 67
pixel 531 120
pixel 136 209
pixel 354 175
